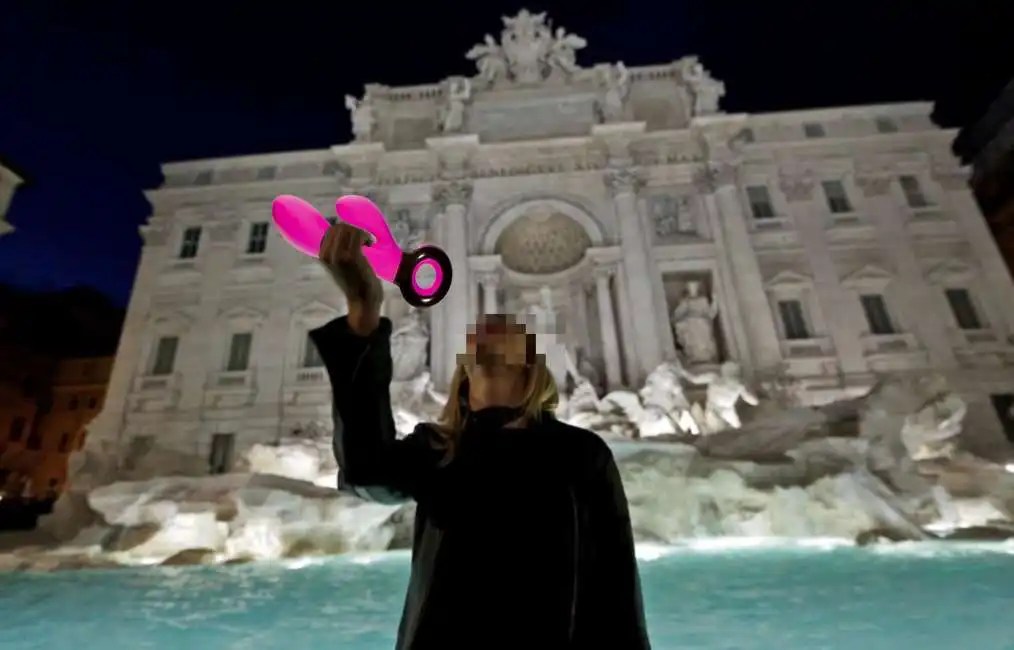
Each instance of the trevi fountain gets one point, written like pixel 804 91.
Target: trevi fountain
pixel 701 308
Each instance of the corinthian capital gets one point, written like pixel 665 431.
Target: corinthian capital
pixel 713 175
pixel 623 179
pixel 452 193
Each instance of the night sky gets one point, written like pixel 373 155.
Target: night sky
pixel 92 100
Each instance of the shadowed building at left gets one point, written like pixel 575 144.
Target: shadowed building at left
pixel 55 361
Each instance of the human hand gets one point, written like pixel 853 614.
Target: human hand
pixel 341 253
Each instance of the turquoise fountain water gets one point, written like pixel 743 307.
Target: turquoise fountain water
pixel 925 597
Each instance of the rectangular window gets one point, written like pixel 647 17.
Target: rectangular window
pixel 265 173
pixel 64 443
pixel 748 136
pixel 914 196
pixel 165 355
pixel 190 243
pixel 239 352
pixel 311 356
pixel 220 457
pixel 760 202
pixel 791 312
pixel 813 130
pixel 877 317
pixel 886 125
pixel 258 239
pixel 837 199
pixel 964 309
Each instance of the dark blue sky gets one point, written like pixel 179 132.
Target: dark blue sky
pixel 92 100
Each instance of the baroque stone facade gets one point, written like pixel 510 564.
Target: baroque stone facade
pixel 825 247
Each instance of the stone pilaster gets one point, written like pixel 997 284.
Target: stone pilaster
pixel 751 318
pixel 451 316
pixel 837 305
pixel 624 183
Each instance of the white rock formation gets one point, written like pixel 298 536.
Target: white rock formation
pixel 842 470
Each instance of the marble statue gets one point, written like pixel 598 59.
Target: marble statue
pixel 409 342
pixel 526 41
pixel 663 394
pixel 528 51
pixel 704 89
pixel 563 55
pixel 459 92
pixel 615 80
pixel 489 61
pixel 693 321
pixel 725 389
pixel 930 432
pixel 363 119
pixel 542 316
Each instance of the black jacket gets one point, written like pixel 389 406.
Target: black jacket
pixel 524 538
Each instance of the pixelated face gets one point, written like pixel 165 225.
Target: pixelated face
pixel 498 341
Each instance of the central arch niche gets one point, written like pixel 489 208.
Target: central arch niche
pixel 542 242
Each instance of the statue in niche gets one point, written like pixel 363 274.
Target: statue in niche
pixel 458 93
pixel 563 55
pixel 663 396
pixel 615 81
pixel 363 119
pixel 409 342
pixel 725 389
pixel 930 432
pixel 705 91
pixel 542 316
pixel 693 321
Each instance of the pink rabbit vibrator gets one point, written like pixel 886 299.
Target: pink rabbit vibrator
pixel 423 275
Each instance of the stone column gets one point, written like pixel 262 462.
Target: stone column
pixel 751 310
pixel 490 282
pixel 607 326
pixel 640 271
pixel 836 304
pixel 914 291
pixel 451 316
pixel 996 277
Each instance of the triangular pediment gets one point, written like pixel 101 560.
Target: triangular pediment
pixel 789 279
pixel 243 312
pixel 869 274
pixel 171 320
pixel 951 270
pixel 315 309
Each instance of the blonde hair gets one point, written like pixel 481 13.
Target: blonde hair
pixel 541 396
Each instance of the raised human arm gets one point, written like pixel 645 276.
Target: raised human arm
pixel 373 463
pixel 749 397
pixel 356 351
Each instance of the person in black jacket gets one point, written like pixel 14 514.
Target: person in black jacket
pixel 522 531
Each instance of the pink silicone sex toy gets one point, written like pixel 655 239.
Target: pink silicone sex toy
pixel 423 275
